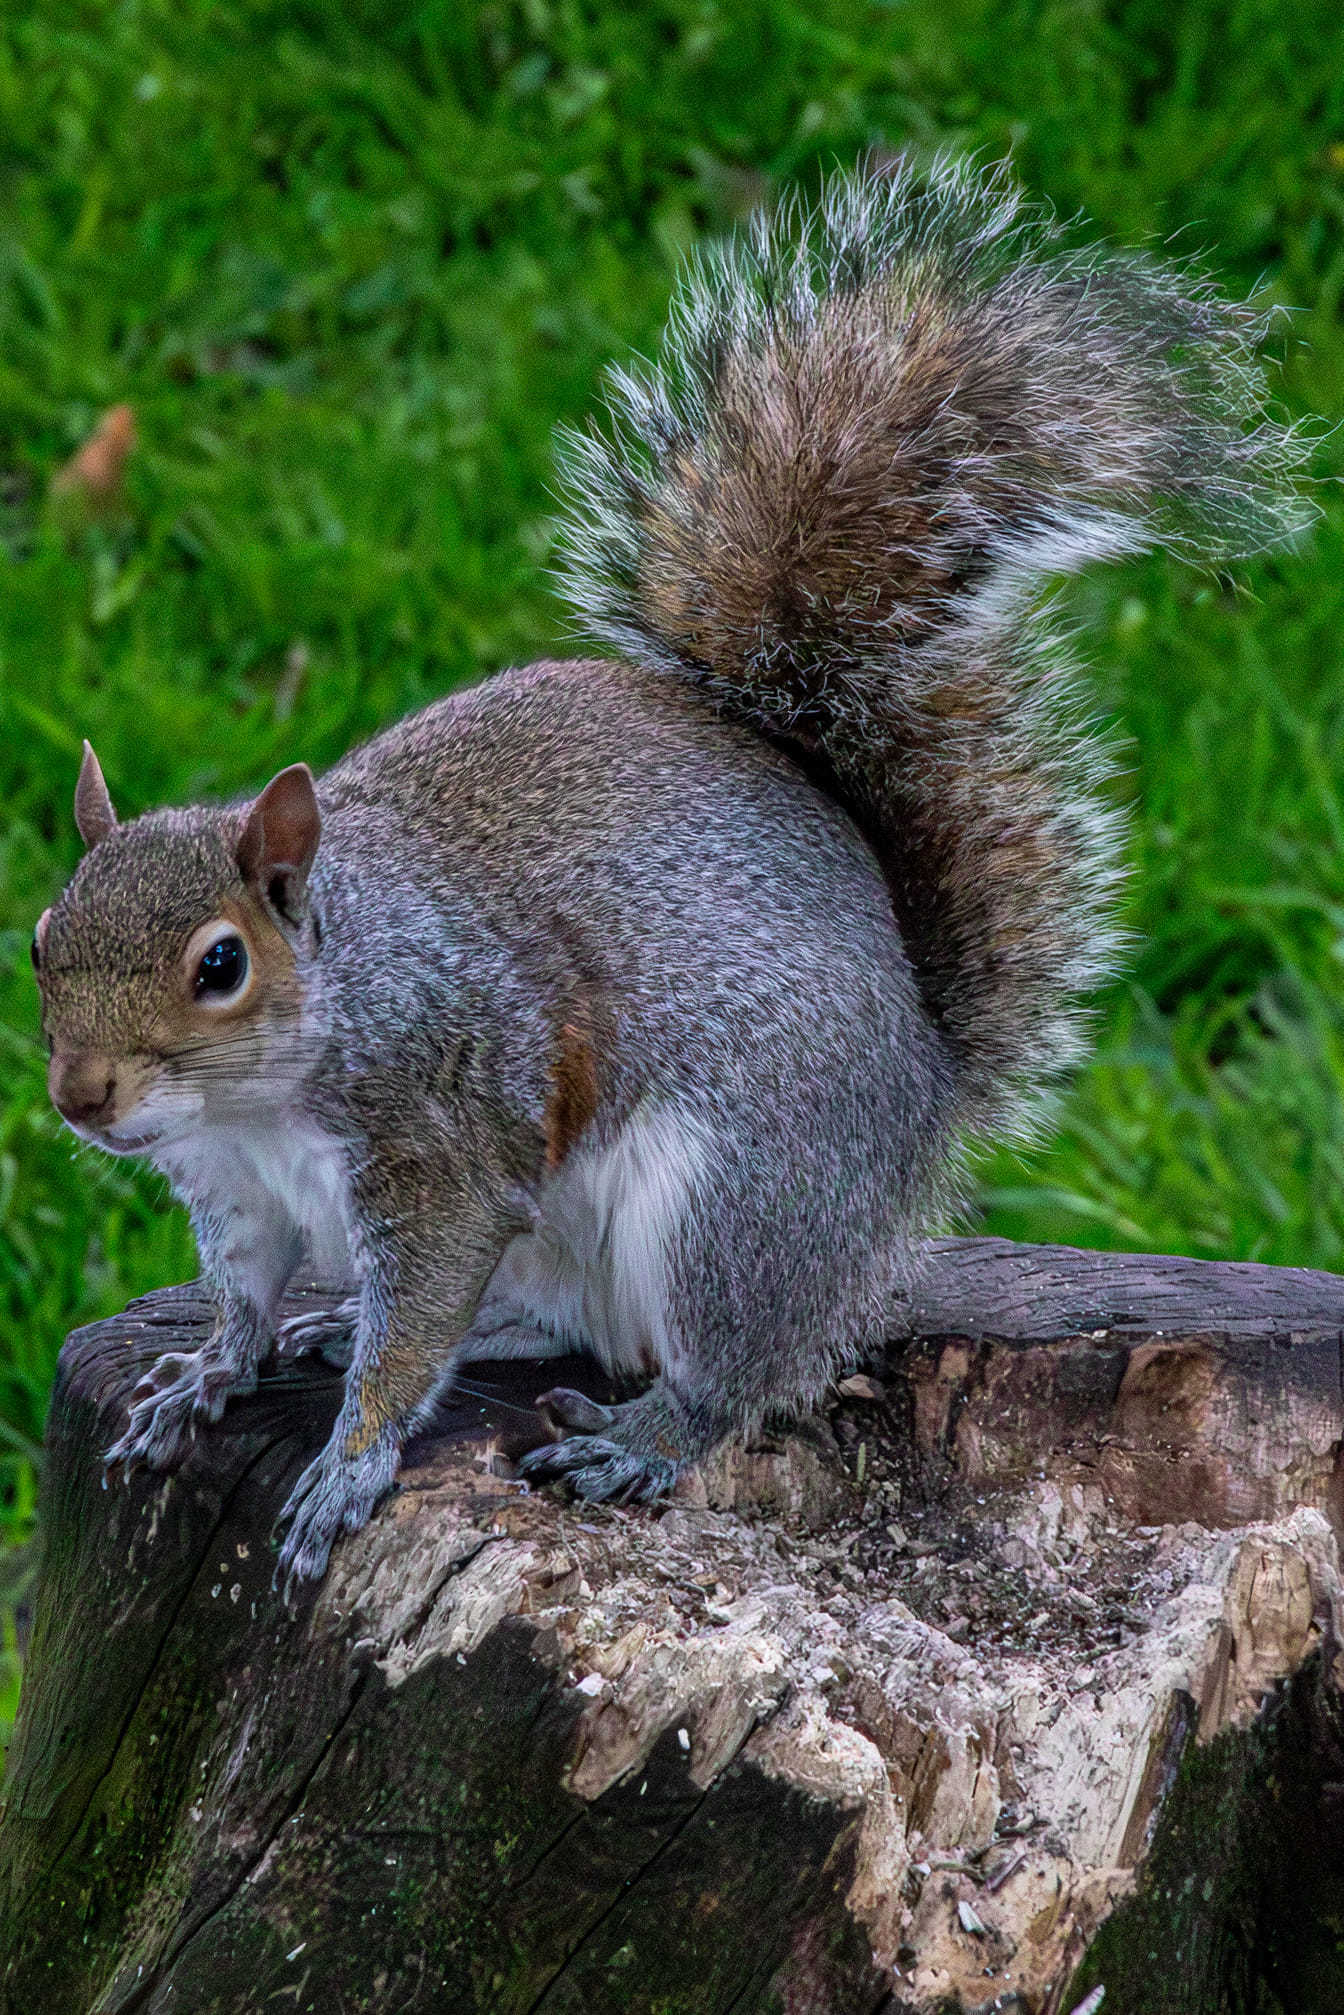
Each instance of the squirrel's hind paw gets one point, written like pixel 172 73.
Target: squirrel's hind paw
pixel 600 1470
pixel 629 1454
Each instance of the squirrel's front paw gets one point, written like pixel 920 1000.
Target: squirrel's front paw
pixel 183 1389
pixel 328 1333
pixel 337 1493
pixel 590 1460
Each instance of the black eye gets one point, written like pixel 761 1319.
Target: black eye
pixel 223 968
pixel 35 954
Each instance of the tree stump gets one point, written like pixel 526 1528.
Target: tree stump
pixel 1011 1675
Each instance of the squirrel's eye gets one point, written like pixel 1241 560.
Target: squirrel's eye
pixel 35 954
pixel 223 968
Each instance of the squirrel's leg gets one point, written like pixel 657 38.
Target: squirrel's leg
pixel 631 1453
pixel 519 1337
pixel 756 1260
pixel 247 1257
pixel 531 1308
pixel 424 1279
pixel 663 1170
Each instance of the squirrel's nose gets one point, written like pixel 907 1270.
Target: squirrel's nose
pixel 82 1087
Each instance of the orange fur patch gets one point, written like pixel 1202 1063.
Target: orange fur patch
pixel 573 1102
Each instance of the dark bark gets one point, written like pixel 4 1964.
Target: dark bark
pixel 522 1756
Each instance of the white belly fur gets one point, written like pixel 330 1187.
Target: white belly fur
pixel 298 1167
pixel 595 1272
pixel 304 1168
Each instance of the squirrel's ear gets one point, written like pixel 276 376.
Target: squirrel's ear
pixel 93 807
pixel 279 838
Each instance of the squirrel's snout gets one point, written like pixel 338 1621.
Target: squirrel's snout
pixel 83 1087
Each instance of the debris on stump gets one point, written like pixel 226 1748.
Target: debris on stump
pixel 1009 1681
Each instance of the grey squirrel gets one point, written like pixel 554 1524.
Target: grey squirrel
pixel 644 1005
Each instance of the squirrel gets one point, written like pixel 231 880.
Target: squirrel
pixel 647 1005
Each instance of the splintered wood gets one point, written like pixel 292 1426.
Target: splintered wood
pixel 1011 1671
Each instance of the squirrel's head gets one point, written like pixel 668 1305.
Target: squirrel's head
pixel 169 968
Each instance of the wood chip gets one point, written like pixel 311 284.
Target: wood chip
pixel 860 1386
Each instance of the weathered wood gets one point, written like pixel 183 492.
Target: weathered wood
pixel 1187 1389
pixel 990 1287
pixel 1027 1644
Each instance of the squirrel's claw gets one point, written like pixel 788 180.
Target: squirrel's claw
pixel 335 1494
pixel 178 1392
pixel 600 1470
pixel 326 1332
pixel 627 1454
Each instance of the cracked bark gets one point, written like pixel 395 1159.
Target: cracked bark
pixel 1040 1616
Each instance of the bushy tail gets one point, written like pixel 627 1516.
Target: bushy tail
pixel 874 428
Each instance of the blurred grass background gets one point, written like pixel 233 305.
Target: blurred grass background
pixel 350 265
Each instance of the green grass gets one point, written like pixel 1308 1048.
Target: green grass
pixel 351 265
